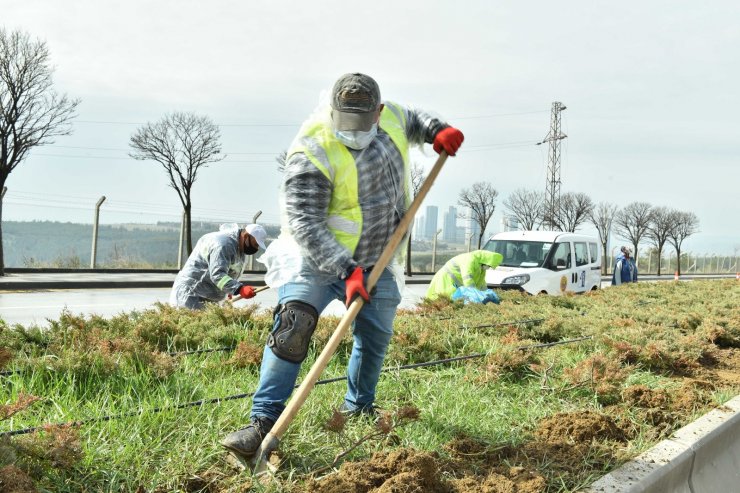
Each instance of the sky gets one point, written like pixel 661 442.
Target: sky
pixel 650 89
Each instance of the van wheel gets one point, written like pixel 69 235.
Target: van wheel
pixel 594 288
pixel 543 292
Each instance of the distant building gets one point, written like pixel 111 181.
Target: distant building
pixel 460 235
pixel 472 229
pixel 430 221
pixel 509 223
pixel 449 225
pixel 418 228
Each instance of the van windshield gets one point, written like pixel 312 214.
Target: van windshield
pixel 520 253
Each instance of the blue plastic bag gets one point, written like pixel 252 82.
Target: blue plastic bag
pixel 473 295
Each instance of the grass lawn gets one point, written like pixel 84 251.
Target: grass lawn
pixel 520 416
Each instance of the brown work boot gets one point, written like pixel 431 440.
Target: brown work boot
pixel 246 441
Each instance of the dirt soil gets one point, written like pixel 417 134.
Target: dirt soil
pixel 564 443
pixel 411 471
pixel 579 427
pixel 14 480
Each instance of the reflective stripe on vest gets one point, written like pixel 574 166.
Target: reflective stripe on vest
pixel 319 144
pixel 452 269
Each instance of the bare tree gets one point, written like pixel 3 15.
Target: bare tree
pixel 659 228
pixel 601 217
pixel 683 225
pixel 417 180
pixel 182 143
pixel 31 112
pixel 481 200
pixel 575 209
pixel 632 222
pixel 526 206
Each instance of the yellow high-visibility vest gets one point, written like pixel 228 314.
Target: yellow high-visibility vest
pixel 317 141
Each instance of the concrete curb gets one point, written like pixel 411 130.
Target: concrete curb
pixel 703 456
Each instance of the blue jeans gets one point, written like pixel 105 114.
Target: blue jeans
pixel 372 331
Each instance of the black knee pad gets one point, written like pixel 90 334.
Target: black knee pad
pixel 289 341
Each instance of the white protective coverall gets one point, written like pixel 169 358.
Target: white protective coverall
pixel 212 271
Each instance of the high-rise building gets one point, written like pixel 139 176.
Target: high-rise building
pixel 449 225
pixel 430 221
pixel 509 223
pixel 460 235
pixel 418 227
pixel 472 228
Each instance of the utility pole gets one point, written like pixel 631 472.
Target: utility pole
pixel 251 257
pixel 434 250
pixel 552 186
pixel 94 253
pixel 182 240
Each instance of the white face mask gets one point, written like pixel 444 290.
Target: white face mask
pixel 357 139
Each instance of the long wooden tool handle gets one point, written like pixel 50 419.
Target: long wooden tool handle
pixel 256 290
pixel 281 425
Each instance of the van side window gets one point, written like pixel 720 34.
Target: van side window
pixel 594 249
pixel 581 249
pixel 560 257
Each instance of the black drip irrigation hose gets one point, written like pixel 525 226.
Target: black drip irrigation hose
pixel 200 351
pixel 217 400
pixel 503 324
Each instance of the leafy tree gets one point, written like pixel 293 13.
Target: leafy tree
pixel 632 223
pixel 526 206
pixel 182 143
pixel 481 200
pixel 659 228
pixel 31 112
pixel 601 217
pixel 683 225
pixel 575 209
pixel 417 180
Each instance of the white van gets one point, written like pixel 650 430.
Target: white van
pixel 550 262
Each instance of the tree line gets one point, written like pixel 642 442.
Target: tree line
pixel 636 222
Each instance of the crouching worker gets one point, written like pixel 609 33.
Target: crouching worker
pixel 344 192
pixel 212 271
pixel 464 270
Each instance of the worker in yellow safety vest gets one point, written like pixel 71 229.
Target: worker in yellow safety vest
pixel 467 269
pixel 345 189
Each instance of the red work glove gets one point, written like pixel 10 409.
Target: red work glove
pixel 449 140
pixel 246 292
pixel 355 286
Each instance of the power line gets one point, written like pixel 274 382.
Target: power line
pixel 498 114
pixel 494 146
pixel 493 115
pixel 127 150
pixel 113 158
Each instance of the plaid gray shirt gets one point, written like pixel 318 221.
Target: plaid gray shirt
pixel 380 176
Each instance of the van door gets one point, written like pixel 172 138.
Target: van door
pixel 561 264
pixel 581 275
pixel 595 270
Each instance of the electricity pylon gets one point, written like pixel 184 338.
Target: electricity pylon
pixel 552 187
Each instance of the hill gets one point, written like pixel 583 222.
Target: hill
pixel 57 244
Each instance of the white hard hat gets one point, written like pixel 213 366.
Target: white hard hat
pixel 258 232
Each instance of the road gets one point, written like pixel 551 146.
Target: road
pixel 35 307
